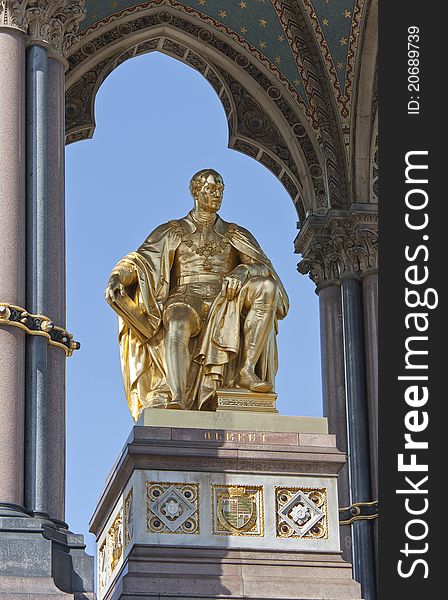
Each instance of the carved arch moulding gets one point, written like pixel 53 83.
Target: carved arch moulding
pixel 265 120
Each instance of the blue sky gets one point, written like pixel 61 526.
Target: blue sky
pixel 158 122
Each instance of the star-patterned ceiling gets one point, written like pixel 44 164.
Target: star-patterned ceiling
pixel 257 22
pixel 335 19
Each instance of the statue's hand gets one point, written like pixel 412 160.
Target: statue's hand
pixel 114 287
pixel 234 281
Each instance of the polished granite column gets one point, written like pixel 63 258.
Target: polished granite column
pixel 370 296
pixel 358 433
pixel 339 249
pixel 56 359
pixel 12 266
pixel 333 389
pixel 39 556
pixel 38 417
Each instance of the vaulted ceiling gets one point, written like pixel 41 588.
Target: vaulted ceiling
pixel 264 25
pixel 306 56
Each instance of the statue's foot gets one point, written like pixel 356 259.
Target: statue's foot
pixel 177 403
pixel 250 381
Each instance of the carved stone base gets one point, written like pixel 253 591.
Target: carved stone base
pixel 239 399
pixel 157 572
pixel 196 508
pixel 40 562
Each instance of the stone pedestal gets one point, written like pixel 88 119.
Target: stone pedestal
pixel 223 505
pixel 38 561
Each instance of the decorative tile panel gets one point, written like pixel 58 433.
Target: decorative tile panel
pixel 216 510
pixel 237 510
pixel 301 512
pixel 172 507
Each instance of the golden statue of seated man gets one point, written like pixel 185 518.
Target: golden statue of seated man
pixel 198 305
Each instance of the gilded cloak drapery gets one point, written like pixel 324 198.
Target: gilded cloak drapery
pixel 215 352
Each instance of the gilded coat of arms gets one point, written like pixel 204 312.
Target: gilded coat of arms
pixel 238 510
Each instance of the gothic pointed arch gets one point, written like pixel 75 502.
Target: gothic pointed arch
pixel 268 119
pixel 328 104
pixel 364 126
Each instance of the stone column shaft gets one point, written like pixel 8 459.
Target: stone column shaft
pixel 41 556
pixel 56 286
pixel 358 436
pixel 12 262
pixel 370 295
pixel 38 418
pixel 333 389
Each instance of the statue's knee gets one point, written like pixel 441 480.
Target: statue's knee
pixel 181 321
pixel 178 318
pixel 265 287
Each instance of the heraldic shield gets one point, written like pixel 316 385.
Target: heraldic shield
pixel 239 510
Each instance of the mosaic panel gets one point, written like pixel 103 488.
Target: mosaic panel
pixel 172 507
pixel 301 512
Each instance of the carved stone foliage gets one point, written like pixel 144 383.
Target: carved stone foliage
pixel 54 22
pixel 79 115
pixel 250 123
pixel 338 246
pixel 12 13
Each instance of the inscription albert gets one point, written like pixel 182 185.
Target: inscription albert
pixel 236 436
pixel 231 436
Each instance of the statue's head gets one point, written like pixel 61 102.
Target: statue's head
pixel 207 189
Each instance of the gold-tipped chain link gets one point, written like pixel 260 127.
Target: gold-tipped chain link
pixel 32 324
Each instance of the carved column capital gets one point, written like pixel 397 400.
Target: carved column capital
pixel 50 22
pixel 339 245
pixel 55 22
pixel 13 14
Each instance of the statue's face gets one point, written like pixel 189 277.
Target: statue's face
pixel 209 197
